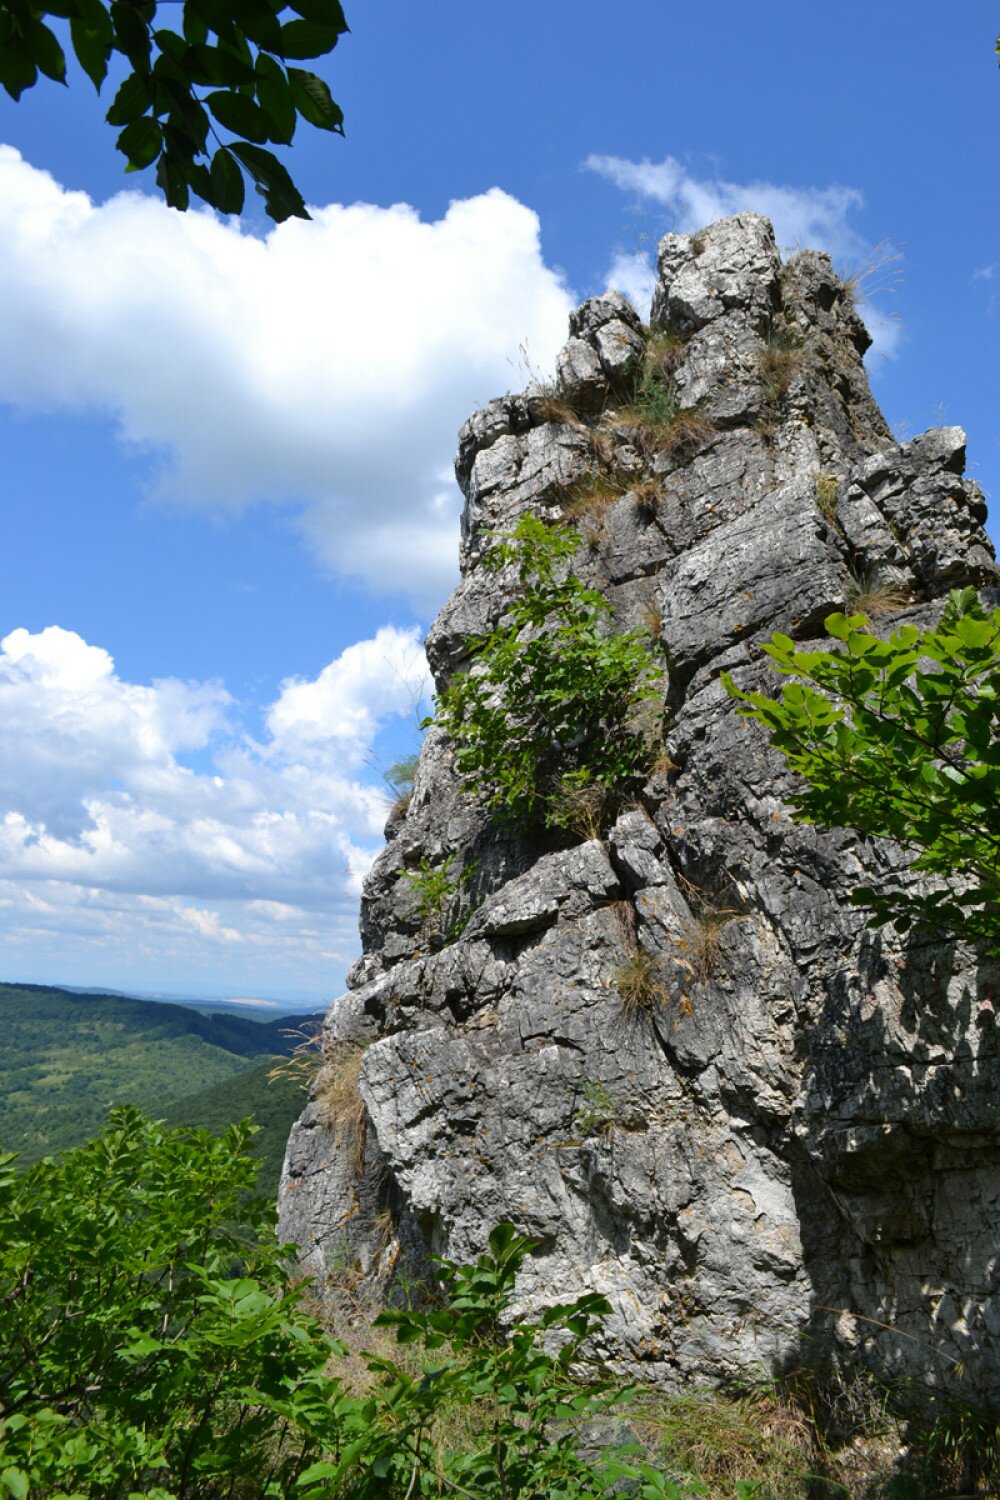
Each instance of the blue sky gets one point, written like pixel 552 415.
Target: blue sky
pixel 228 514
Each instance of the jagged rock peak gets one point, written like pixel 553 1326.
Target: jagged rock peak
pixel 789 1152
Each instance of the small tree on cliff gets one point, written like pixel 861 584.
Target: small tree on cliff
pixel 898 738
pixel 227 67
pixel 549 709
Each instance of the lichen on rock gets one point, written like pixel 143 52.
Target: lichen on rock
pixel 801 1159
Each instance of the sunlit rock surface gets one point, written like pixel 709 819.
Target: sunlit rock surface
pixel 795 1152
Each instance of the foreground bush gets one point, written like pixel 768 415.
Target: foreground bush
pixel 151 1348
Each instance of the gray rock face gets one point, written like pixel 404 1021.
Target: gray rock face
pixel 787 1151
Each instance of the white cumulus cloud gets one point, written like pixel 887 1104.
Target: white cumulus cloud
pixel 803 218
pixel 106 832
pixel 328 365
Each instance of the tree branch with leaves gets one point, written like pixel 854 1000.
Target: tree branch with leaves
pixel 899 739
pixel 229 68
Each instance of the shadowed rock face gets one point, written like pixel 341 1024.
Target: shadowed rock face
pixel 795 1155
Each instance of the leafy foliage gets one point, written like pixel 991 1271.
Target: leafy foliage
pixel 229 67
pixel 598 1109
pixel 435 889
pixel 898 738
pixel 550 703
pixel 271 1093
pixel 148 1338
pixel 151 1348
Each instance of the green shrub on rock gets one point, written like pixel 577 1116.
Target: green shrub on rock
pixel 898 738
pixel 551 704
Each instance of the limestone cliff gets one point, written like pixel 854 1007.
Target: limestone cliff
pixel 792 1152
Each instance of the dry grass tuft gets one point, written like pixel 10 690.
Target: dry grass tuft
pixel 779 359
pixel 639 985
pixel 661 762
pixel 661 427
pixel 588 497
pixel 684 435
pixel 401 806
pixel 827 486
pixel 663 356
pixel 585 810
pixel 646 498
pixel 703 937
pixel 875 593
pixel 702 940
pixel 338 1101
pixel 637 978
pixel 652 619
pixel 881 271
pixel 557 409
pixel 306 1058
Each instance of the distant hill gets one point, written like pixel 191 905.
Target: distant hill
pixel 66 1057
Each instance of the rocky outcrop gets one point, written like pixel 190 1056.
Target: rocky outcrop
pixel 788 1150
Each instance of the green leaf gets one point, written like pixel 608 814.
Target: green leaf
pixel 314 101
pixel 195 26
pixel 17 1483
pixel 307 39
pixel 172 180
pixel 141 143
pixel 92 35
pixel 131 35
pixel 323 12
pixel 274 95
pixel 227 182
pixel 46 51
pixel 17 70
pixel 261 25
pixel 214 66
pixel 282 199
pixel 242 116
pixel 133 98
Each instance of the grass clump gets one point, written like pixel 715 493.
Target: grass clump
pixel 646 495
pixel 661 424
pixel 652 619
pixel 637 978
pixel 779 359
pixel 827 486
pixel 585 808
pixel 557 408
pixel 639 985
pixel 586 501
pixel 663 356
pixel 874 592
pixel 752 1445
pixel 338 1102
pixel 702 938
pixel 670 430
pixel 399 779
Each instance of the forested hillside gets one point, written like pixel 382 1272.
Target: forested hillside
pixel 66 1058
pixel 271 1098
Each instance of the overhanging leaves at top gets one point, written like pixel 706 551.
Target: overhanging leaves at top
pixel 227 68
